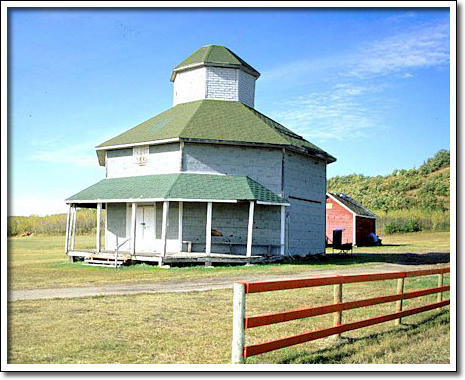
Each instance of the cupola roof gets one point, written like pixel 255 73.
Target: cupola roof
pixel 214 55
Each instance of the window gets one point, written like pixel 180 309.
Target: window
pixel 140 154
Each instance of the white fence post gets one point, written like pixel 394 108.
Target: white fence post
pixel 238 341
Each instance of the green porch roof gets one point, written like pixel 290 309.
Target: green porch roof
pixel 215 55
pixel 179 186
pixel 214 120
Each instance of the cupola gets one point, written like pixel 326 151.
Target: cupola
pixel 214 72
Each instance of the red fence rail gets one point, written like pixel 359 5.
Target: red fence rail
pixel 240 322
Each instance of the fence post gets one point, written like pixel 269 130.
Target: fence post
pixel 400 290
pixel 238 341
pixel 337 300
pixel 440 284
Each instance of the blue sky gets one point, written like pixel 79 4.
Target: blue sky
pixel 369 86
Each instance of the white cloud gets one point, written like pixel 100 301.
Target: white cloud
pixel 420 45
pixel 339 113
pixel 352 109
pixel 308 69
pixel 424 46
pixel 406 75
pixel 78 154
pixel 402 17
pixel 36 206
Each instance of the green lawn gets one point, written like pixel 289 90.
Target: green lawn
pixel 40 262
pixel 197 328
pixel 413 242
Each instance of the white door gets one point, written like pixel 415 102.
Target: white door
pixel 145 229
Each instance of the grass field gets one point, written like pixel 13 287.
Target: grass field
pixel 40 262
pixel 197 328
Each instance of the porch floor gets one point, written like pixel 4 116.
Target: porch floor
pixel 170 257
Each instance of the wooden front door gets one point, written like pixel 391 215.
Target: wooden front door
pixel 145 229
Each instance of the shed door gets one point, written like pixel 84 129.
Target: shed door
pixel 145 229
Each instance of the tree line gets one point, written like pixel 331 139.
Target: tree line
pixel 86 222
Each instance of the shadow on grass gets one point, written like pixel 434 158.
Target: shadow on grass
pixel 347 347
pixel 310 260
pixel 361 258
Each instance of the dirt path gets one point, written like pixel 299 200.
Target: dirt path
pixel 199 285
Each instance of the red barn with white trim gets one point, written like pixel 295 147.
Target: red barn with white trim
pixel 346 214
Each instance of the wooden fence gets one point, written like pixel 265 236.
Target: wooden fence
pixel 240 322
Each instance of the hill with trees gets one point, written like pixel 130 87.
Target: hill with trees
pixel 426 188
pixel 422 193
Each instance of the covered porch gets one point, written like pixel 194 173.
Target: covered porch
pixel 182 218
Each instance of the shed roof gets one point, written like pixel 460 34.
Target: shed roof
pixel 214 121
pixel 177 186
pixel 214 55
pixel 352 205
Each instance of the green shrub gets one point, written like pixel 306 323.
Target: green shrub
pixel 428 220
pixel 402 226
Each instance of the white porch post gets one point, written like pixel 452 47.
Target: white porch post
pixel 166 205
pixel 67 229
pixel 181 206
pixel 208 230
pixel 250 228
pixel 208 235
pixel 99 221
pixel 73 226
pixel 133 228
pixel 283 230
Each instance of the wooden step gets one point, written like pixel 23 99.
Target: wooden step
pixel 107 258
pixel 103 263
pixel 109 265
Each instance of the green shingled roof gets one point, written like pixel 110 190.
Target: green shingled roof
pixel 214 55
pixel 178 186
pixel 214 120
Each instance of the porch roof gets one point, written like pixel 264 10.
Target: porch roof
pixel 177 187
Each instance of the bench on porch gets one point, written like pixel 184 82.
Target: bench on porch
pixel 231 244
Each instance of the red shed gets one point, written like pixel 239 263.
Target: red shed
pixel 346 214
